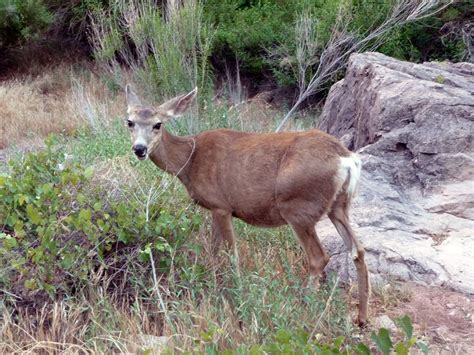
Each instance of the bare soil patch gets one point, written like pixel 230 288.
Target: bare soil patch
pixel 445 317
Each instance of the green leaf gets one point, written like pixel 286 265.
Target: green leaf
pixel 9 242
pixel 401 349
pixel 300 335
pixel 50 289
pixel 12 220
pixel 283 336
pixel 67 261
pixel 206 336
pixel 405 323
pixel 256 350
pixel 383 341
pixel 33 214
pixel 46 189
pixel 18 263
pixel 85 215
pixel 338 341
pixel 362 349
pixel 423 347
pixel 22 199
pixel 89 172
pixel 411 342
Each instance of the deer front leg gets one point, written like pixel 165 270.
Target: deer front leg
pixel 222 230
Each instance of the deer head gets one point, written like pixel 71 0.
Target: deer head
pixel 146 123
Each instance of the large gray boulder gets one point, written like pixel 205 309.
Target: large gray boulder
pixel 413 125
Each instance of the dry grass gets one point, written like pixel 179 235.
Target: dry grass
pixel 103 322
pixel 36 106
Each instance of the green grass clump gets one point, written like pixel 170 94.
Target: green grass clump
pixel 168 48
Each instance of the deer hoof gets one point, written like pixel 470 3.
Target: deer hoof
pixel 362 322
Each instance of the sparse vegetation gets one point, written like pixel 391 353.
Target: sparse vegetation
pixel 59 101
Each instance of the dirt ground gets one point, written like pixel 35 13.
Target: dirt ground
pixel 444 316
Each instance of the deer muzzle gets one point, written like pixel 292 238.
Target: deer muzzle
pixel 140 151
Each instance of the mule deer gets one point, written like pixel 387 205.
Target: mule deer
pixel 264 179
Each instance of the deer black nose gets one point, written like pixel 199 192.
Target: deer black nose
pixel 140 150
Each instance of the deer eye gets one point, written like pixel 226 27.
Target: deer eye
pixel 157 125
pixel 130 124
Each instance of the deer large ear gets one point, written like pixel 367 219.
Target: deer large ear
pixel 177 107
pixel 132 99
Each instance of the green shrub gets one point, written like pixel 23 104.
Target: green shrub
pixel 246 28
pixel 302 342
pixel 22 20
pixel 247 31
pixel 167 49
pixel 424 41
pixel 57 226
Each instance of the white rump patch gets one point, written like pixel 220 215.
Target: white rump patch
pixel 349 173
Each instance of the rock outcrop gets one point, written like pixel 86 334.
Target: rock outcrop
pixel 413 125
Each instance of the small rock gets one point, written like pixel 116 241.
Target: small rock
pixel 450 305
pixel 384 321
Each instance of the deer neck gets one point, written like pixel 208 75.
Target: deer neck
pixel 174 154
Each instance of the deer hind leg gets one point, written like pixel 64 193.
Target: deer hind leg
pixel 315 253
pixel 222 230
pixel 339 217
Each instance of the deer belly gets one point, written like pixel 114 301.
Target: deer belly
pixel 261 217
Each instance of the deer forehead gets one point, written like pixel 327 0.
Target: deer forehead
pixel 145 116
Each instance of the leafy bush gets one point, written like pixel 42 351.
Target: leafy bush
pixel 246 28
pixel 425 41
pixel 302 342
pixel 57 226
pixel 22 20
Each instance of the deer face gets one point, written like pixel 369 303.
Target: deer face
pixel 146 124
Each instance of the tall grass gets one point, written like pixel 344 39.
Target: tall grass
pixel 167 48
pixel 33 107
pixel 61 100
pixel 204 303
